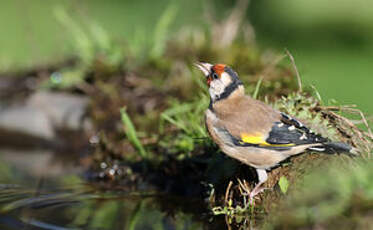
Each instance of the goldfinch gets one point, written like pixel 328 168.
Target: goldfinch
pixel 252 132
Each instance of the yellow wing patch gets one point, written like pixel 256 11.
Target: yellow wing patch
pixel 258 139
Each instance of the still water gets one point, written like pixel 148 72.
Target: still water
pixel 38 191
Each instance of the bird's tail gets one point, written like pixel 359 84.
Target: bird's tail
pixel 334 147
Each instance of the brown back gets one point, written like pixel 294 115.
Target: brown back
pixel 242 114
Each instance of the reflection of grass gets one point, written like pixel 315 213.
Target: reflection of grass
pixel 134 218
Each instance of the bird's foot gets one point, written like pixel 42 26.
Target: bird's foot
pixel 255 192
pixel 262 176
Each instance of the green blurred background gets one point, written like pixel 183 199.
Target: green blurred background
pixel 331 41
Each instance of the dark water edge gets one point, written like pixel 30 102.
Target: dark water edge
pixel 83 207
pixel 39 190
pixel 50 189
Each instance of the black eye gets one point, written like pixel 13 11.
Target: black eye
pixel 215 76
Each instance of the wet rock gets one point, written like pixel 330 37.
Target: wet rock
pixel 26 120
pixel 64 110
pixel 41 115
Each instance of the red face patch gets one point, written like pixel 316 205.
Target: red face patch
pixel 209 79
pixel 219 68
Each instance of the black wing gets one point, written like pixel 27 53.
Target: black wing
pixel 292 131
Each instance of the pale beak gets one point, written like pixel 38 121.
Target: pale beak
pixel 204 67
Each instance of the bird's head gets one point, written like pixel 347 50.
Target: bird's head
pixel 221 80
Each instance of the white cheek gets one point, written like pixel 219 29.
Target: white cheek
pixel 216 85
pixel 216 88
pixel 226 79
pixel 212 92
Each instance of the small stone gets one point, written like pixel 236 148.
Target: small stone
pixel 64 110
pixel 94 140
pixel 103 165
pixel 26 120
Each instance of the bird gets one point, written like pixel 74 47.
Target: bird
pixel 253 132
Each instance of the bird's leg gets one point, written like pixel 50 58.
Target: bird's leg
pixel 262 177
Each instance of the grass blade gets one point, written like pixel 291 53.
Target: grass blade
pixel 257 87
pixel 131 133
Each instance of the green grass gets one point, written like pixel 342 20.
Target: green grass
pixel 31 35
pixel 338 72
pixel 35 37
pixel 331 43
pixel 343 74
pixel 342 199
pixel 131 133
